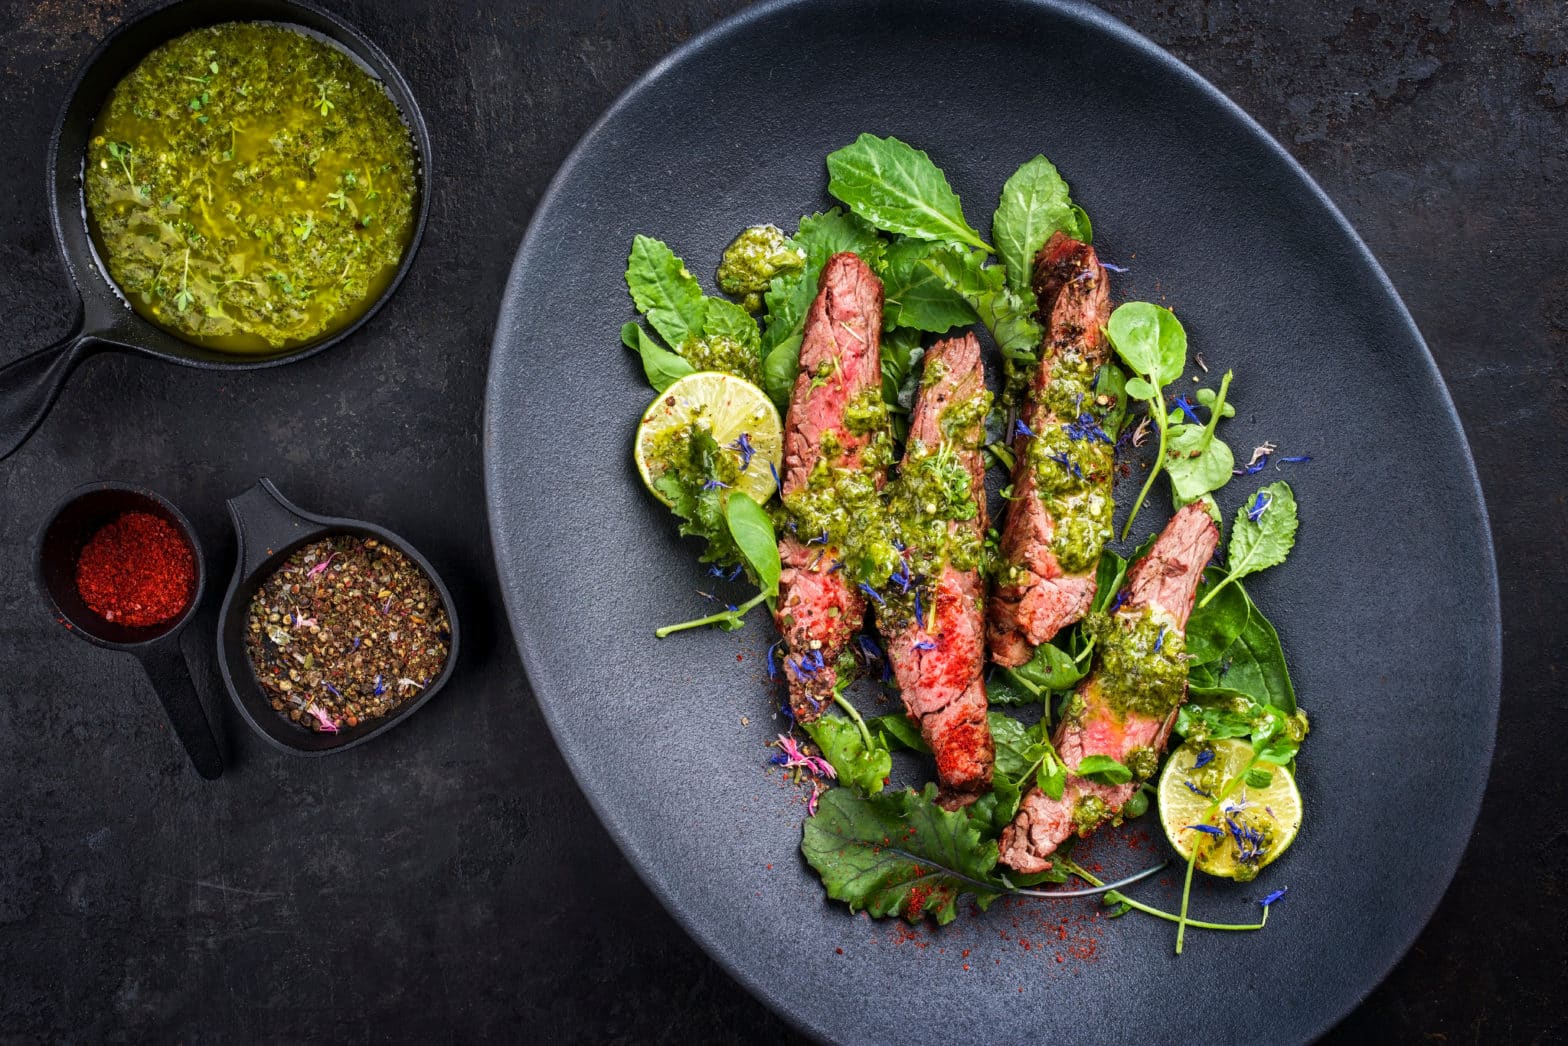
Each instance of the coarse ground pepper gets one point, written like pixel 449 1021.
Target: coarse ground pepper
pixel 136 570
pixel 346 630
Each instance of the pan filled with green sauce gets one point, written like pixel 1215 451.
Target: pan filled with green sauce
pixel 251 188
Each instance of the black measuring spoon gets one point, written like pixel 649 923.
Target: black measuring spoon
pixel 69 527
pixel 104 321
pixel 268 528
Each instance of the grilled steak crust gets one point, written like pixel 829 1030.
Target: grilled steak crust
pixel 1040 598
pixel 818 610
pixel 939 666
pixel 1165 582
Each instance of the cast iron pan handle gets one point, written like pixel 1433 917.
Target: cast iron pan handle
pixel 170 677
pixel 264 521
pixel 29 386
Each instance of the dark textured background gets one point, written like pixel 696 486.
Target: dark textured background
pixel 449 881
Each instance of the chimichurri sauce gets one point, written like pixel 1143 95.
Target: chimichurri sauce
pixel 250 188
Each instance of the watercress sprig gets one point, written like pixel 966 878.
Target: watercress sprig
pixel 751 529
pixel 1152 343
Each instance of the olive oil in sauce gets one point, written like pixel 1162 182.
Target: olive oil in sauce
pixel 250 188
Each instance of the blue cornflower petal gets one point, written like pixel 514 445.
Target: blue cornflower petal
pixel 1113 268
pixel 1195 790
pixel 773 665
pixel 743 447
pixel 1020 429
pixel 868 590
pixel 777 483
pixel 1294 459
pixel 716 571
pixel 714 484
pixel 1206 829
pixel 925 644
pixel 1276 895
pixel 739 568
pixel 1116 604
pixel 838 564
pixel 1159 640
pixel 868 646
pixel 1186 408
pixel 1205 757
pixel 820 539
pixel 1259 507
pixel 1254 468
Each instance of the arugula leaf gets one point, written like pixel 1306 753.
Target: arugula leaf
pixel 1256 544
pixel 664 290
pixel 752 528
pixel 724 319
pixel 662 367
pixel 896 187
pixel 1005 314
pixel 899 854
pixel 895 728
pixel 901 352
pixel 1035 203
pixel 865 767
pixel 1103 770
pixel 915 295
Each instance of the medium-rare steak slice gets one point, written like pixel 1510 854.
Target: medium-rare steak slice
pixel 1126 708
pixel 836 451
pixel 932 616
pixel 1059 515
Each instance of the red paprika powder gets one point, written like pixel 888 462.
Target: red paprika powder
pixel 136 570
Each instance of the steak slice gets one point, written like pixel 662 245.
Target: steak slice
pixel 1059 516
pixel 818 609
pixel 938 654
pixel 1126 709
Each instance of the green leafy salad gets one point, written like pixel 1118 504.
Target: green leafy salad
pixel 725 366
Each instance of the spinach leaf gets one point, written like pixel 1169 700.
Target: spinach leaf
pixel 915 295
pixel 1102 769
pixel 1108 578
pixel 896 187
pixel 899 854
pixel 1016 752
pixel 1253 664
pixel 664 290
pixel 1035 203
pixel 863 766
pixel 1151 341
pixel 1262 536
pixel 1024 757
pixel 1213 627
pixel 1002 690
pixel 1052 668
pixel 780 367
pixel 1197 461
pixel 752 528
pixel 662 367
pixel 895 728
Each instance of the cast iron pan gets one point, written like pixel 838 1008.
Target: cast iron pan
pixel 104 322
pixel 69 527
pixel 1388 605
pixel 267 529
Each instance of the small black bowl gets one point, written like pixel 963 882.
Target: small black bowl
pixel 69 527
pixel 268 528
pixel 104 321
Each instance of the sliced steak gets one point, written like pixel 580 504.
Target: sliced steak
pixel 1127 707
pixel 1059 516
pixel 937 643
pixel 819 610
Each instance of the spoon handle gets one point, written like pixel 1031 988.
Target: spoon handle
pixel 170 677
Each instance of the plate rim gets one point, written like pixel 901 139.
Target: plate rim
pixel 1097 21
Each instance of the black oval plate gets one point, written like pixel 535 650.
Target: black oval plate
pixel 1388 605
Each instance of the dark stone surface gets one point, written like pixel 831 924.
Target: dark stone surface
pixel 449 880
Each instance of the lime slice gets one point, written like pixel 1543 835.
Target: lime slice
pixel 729 408
pixel 1255 825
